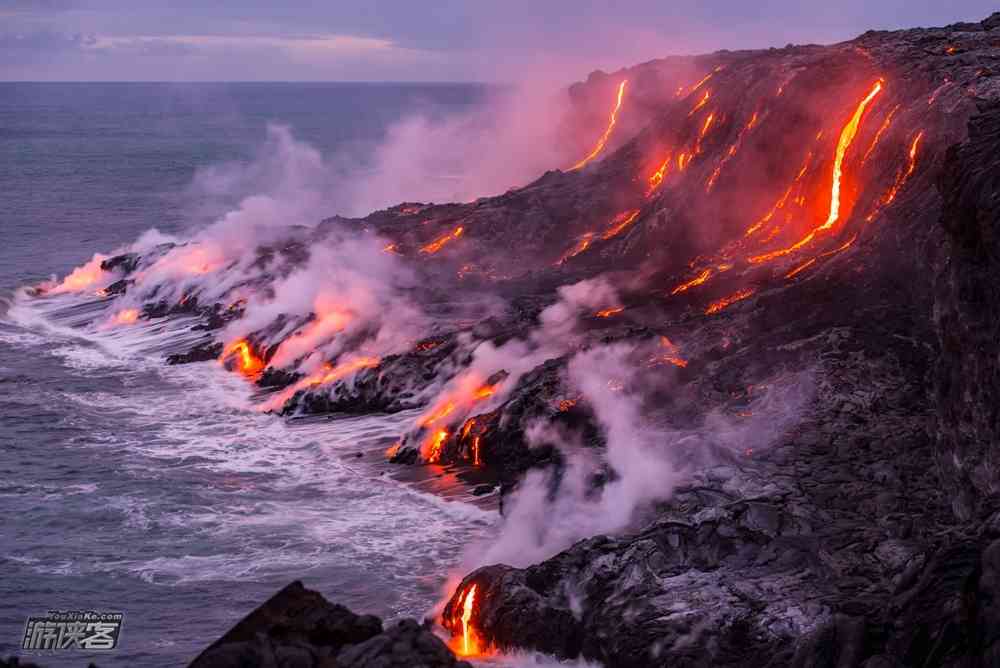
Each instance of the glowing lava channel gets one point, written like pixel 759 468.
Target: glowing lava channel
pixel 847 136
pixel 607 133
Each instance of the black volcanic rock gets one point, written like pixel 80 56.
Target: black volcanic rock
pixel 405 645
pixel 865 535
pixel 967 315
pixel 298 627
pixel 125 263
pixel 202 352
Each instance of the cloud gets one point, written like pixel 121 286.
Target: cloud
pixel 447 40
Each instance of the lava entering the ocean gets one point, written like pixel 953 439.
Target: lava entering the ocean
pixel 465 639
pixel 248 362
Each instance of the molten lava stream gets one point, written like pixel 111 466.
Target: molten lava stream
pixel 465 640
pixel 439 243
pixel 581 245
pixel 905 175
pixel 453 407
pixel 248 363
pixel 607 133
pixel 847 135
pixel 620 223
pixel 725 302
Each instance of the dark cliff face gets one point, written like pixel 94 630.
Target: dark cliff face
pixel 863 537
pixel 967 316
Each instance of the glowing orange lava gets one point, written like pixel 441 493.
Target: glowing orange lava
pixel 441 413
pixel 725 302
pixel 905 175
pixel 581 245
pixel 435 443
pixel 438 244
pixel 475 452
pixel 697 280
pixel 327 374
pixel 847 135
pixel 802 267
pixel 82 277
pixel 656 178
pixel 608 312
pixel 470 642
pixel 620 223
pixel 671 353
pixel 607 133
pixel 701 103
pixel 731 152
pixel 126 317
pixel 878 135
pixel 249 363
pixel 331 374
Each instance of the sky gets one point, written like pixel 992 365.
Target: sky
pixel 414 40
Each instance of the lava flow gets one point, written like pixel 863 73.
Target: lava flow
pixel 454 406
pixel 607 133
pixel 248 363
pixel 82 277
pixel 904 175
pixel 620 223
pixel 439 243
pixel 846 138
pixel 467 643
pixel 725 302
pixel 581 245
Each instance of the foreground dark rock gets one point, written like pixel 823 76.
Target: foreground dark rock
pixel 298 627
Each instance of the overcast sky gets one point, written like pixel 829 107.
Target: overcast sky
pixel 415 40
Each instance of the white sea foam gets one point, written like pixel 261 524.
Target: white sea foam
pixel 267 496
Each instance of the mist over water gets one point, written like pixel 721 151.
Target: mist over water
pixel 157 490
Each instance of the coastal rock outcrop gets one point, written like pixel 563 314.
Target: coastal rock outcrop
pixel 299 627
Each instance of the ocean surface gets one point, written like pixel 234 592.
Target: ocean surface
pixel 155 491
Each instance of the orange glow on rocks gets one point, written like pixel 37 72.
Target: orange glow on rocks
pixel 326 375
pixel 602 142
pixel 725 302
pixel 608 312
pixel 670 353
pixel 802 267
pixel 697 280
pixel 126 317
pixel 247 362
pixel 581 245
pixel 656 178
pixel 878 135
pixel 465 639
pixel 620 223
pixel 435 443
pixel 701 103
pixel 847 135
pixel 83 277
pixel 440 242
pixel 905 174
